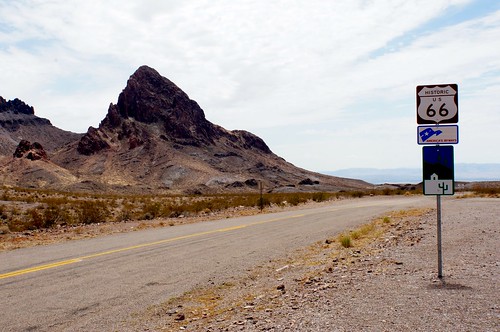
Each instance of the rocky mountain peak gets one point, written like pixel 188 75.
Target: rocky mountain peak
pixel 150 99
pixel 15 106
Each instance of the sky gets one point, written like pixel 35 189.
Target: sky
pixel 328 85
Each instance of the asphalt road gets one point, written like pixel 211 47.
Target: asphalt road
pixel 96 284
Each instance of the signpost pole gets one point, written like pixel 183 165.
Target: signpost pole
pixel 440 253
pixel 261 199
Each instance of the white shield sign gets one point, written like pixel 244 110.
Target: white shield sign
pixel 437 104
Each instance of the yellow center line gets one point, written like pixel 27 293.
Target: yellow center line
pixel 149 244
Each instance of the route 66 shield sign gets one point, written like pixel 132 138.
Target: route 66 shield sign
pixel 437 104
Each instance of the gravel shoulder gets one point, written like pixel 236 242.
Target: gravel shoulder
pixel 386 282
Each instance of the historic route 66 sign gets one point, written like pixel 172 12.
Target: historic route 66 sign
pixel 437 104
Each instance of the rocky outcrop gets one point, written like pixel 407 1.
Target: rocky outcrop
pixel 15 106
pixel 92 142
pixel 15 113
pixel 19 122
pixel 153 100
pixel 249 141
pixel 30 151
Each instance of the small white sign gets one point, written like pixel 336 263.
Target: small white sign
pixel 437 134
pixel 435 186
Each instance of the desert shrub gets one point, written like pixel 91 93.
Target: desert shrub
pixel 91 212
pixel 356 194
pixel 366 229
pixel 55 200
pixel 345 241
pixel 296 199
pixel 52 214
pixel 319 197
pixel 386 191
pixel 126 213
pixel 174 210
pixel 15 211
pixel 152 209
pixel 6 196
pixel 4 229
pixel 486 191
pixel 31 219
pixel 29 199
pixel 355 235
pixel 16 224
pixel 35 219
pixel 3 213
pixel 67 216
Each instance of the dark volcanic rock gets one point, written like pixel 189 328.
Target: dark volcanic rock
pixel 18 122
pixel 251 183
pixel 92 142
pixel 152 99
pixel 30 151
pixel 15 113
pixel 16 106
pixel 308 182
pixel 249 140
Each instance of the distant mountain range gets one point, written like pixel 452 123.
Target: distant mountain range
pixel 463 172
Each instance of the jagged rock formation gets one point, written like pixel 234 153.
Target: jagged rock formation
pixel 155 138
pixel 154 100
pixel 18 122
pixel 15 106
pixel 30 151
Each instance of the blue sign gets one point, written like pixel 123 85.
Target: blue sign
pixel 438 170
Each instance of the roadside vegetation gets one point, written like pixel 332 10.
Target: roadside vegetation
pixel 28 209
pixel 24 209
pixel 491 191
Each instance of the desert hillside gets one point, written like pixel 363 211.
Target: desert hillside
pixel 155 138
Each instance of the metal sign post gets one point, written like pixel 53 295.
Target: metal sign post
pixel 440 252
pixel 437 104
pixel 261 198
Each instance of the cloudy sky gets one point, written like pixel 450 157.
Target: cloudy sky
pixel 327 84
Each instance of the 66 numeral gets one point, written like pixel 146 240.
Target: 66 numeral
pixel 431 112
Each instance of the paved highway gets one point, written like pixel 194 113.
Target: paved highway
pixel 96 284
